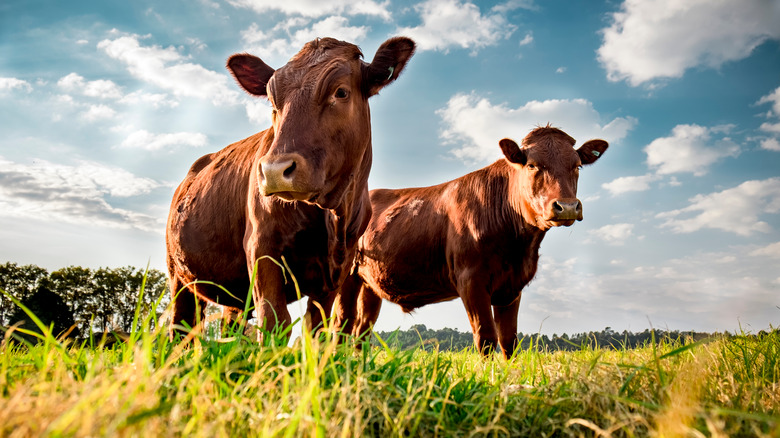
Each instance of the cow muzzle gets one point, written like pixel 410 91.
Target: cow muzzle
pixel 286 176
pixel 565 211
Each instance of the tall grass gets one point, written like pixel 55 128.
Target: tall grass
pixel 233 386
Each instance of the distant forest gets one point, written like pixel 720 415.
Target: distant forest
pixel 104 300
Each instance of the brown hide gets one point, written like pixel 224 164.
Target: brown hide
pixel 476 238
pixel 297 190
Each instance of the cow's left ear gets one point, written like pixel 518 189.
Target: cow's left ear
pixel 389 60
pixel 591 151
pixel 251 73
pixel 512 151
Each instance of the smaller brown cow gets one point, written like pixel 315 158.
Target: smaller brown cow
pixel 475 238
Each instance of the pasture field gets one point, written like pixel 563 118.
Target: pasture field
pixel 147 386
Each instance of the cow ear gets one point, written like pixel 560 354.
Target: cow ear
pixel 512 151
pixel 250 72
pixel 591 151
pixel 389 60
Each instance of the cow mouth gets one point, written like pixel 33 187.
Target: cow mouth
pixel 562 222
pixel 308 197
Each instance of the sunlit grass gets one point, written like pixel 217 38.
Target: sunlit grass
pixel 233 386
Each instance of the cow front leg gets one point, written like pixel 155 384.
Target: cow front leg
pixel 506 325
pixel 477 304
pixel 270 300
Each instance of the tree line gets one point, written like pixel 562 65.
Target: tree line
pixel 447 339
pixel 104 300
pixel 87 300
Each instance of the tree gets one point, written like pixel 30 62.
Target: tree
pixel 49 308
pixel 20 282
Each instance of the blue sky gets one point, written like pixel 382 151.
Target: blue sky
pixel 105 104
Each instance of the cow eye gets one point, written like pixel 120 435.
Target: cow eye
pixel 341 93
pixel 531 166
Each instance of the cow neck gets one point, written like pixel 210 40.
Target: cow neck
pixel 515 206
pixel 348 220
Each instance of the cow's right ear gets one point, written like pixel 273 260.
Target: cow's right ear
pixel 389 60
pixel 512 151
pixel 250 72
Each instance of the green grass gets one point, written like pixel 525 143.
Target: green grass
pixel 148 386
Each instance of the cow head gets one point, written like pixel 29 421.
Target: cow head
pixel 321 120
pixel 545 173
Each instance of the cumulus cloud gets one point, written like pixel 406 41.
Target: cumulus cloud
pixel 690 149
pixel 285 40
pixel 169 70
pixel 655 39
pixel 74 193
pixel 98 112
pixel 627 184
pixel 615 234
pixel 317 8
pixel 148 141
pixel 14 83
pixel 772 250
pixel 474 125
pixel 736 210
pixel 452 23
pixel 772 126
pixel 101 88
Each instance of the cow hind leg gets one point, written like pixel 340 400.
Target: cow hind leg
pixel 345 306
pixel 188 309
pixel 506 325
pixel 367 311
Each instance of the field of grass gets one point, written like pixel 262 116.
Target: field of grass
pixel 147 386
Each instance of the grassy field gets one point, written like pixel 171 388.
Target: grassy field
pixel 147 386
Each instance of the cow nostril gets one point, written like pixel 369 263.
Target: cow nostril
pixel 287 172
pixel 558 208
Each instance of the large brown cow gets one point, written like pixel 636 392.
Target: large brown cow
pixel 476 238
pixel 297 190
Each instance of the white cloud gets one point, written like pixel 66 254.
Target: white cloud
pixel 14 83
pixel 259 111
pixel 145 140
pixel 627 184
pixel 73 193
pixel 528 39
pixel 101 88
pixel 652 39
pixel 774 99
pixel 283 40
pixel 772 250
pixel 615 234
pixel 772 127
pixel 475 125
pixel 690 149
pixel 167 69
pixel 157 100
pixel 452 23
pixel 735 210
pixel 98 112
pixel 317 8
pixel 770 144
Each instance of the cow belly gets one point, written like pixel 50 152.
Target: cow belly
pixel 405 287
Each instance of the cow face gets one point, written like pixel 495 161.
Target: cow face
pixel 545 173
pixel 321 119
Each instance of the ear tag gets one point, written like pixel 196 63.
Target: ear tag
pixel 595 153
pixel 392 69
